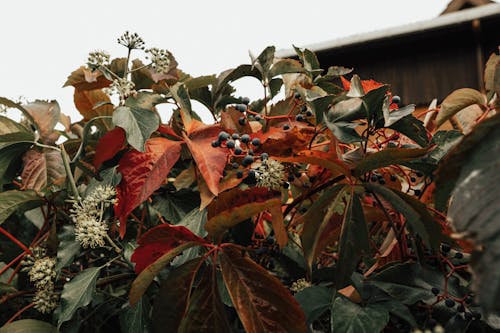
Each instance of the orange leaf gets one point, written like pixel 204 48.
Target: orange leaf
pixel 278 142
pixel 324 159
pixel 84 79
pixel 142 174
pixel 368 85
pixel 86 100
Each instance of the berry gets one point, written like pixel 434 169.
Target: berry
pixel 256 142
pixel 435 291
pixel 245 138
pixel 264 156
pixel 257 117
pixel 235 165
pixel 468 316
pixel 459 255
pixel 303 108
pixel 215 143
pixel 286 185
pixel 235 136
pixel 247 160
pixel 299 117
pixel 413 179
pixel 419 174
pixel 250 152
pixel 245 100
pixel 242 121
pixel 238 151
pixel 296 95
pixel 309 113
pixel 286 127
pixel 396 99
pixel 417 192
pixel 230 144
pixel 224 173
pixel 381 181
pixel 291 178
pixel 251 173
pixel 239 174
pixel 223 136
pixel 393 178
pixel 374 178
pixel 445 248
pixel 468 300
pixel 449 303
pixel 241 107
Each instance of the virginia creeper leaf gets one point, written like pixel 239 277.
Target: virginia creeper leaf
pixel 387 157
pixel 457 101
pixel 142 174
pixel 285 66
pixel 46 115
pixel 108 146
pixel 85 79
pixel 41 169
pixel 92 103
pixel 262 302
pixel 492 74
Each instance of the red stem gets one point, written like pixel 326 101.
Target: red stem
pixel 18 313
pixel 15 240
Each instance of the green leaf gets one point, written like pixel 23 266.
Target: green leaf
pixel 356 89
pixel 319 105
pixel 353 241
pixel 315 301
pixel 181 96
pixel 138 124
pixel 11 104
pixel 387 157
pixel 234 74
pixel 400 310
pixel 12 147
pixel 135 319
pixel 413 129
pixel 391 117
pixel 68 247
pixel 195 221
pixel 457 101
pixel 175 206
pixel 144 100
pixel 337 71
pixel 8 126
pixel 10 201
pixel 344 131
pixel 285 66
pixel 275 86
pixel 28 326
pixel 373 103
pixel 77 293
pixel 265 60
pixel 310 61
pixel 349 317
pixel 347 110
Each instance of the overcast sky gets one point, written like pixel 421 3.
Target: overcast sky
pixel 44 41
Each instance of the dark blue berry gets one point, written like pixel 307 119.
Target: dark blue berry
pixel 235 136
pixel 245 100
pixel 396 99
pixel 245 138
pixel 303 108
pixel 257 117
pixel 241 107
pixel 374 178
pixel 309 113
pixel 251 173
pixel 247 160
pixel 215 143
pixel 256 142
pixel 286 127
pixel 264 156
pixel 235 165
pixel 299 117
pixel 297 95
pixel 242 121
pixel 381 181
pixel 393 178
pixel 230 144
pixel 435 291
pixel 445 248
pixel 417 192
pixel 449 303
pixel 238 151
pixel 286 185
pixel 459 255
pixel 239 174
pixel 223 136
pixel 413 179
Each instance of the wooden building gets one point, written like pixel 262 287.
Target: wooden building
pixel 423 60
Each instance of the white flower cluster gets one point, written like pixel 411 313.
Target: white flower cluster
pixel 123 87
pixel 160 59
pixel 42 273
pixel 131 41
pixel 300 285
pixel 270 174
pixel 97 59
pixel 90 229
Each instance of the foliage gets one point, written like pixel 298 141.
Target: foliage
pixel 324 206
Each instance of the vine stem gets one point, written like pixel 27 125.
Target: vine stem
pixel 18 313
pixel 15 240
pixel 69 174
pixel 113 244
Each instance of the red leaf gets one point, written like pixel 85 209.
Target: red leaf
pixel 209 160
pixel 167 130
pixel 160 240
pixel 109 144
pixel 367 85
pixel 262 302
pixel 142 174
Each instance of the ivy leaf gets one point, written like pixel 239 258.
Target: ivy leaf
pixel 264 61
pixel 387 157
pixel 315 301
pixel 77 293
pixel 142 174
pixel 138 124
pixel 28 326
pixel 285 66
pixel 261 301
pixel 108 146
pixel 457 101
pixel 134 319
pixel 68 247
pixel 209 160
pixel 12 200
pixel 235 206
pixel 92 103
pixel 160 240
pixel 353 241
pixel 413 129
pixel 349 317
pixel 42 169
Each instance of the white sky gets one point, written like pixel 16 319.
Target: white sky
pixel 44 41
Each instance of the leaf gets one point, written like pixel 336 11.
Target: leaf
pixel 264 61
pixel 138 124
pixel 235 206
pixel 92 103
pixel 42 169
pixel 181 96
pixel 315 301
pixel 195 221
pixel 457 101
pixel 492 74
pixel 77 293
pixel 393 116
pixel 415 214
pixel 387 157
pixel 475 207
pixel 261 301
pixel 353 241
pixel 12 200
pixel 46 116
pixel 355 89
pixel 160 240
pixel 28 326
pixel 325 159
pixel 142 174
pixel 68 247
pixel 413 129
pixel 285 66
pixel 337 71
pixel 134 319
pixel 15 139
pixel 234 74
pixel 108 146
pixel 144 279
pixel 275 86
pixel 349 317
pixel 309 59
pixel 209 160
pixel 9 126
pixel 175 206
pixel 347 110
pixel 84 79
pixel 344 131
